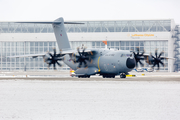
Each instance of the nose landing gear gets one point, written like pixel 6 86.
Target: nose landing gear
pixel 122 75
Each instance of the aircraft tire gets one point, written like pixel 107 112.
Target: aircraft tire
pixel 84 76
pixel 108 76
pixel 122 75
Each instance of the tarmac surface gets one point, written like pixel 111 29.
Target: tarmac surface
pixel 65 76
pixel 54 95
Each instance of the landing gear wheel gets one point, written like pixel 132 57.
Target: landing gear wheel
pixel 108 76
pixel 84 76
pixel 122 75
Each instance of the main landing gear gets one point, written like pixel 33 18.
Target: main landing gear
pixel 122 75
pixel 84 76
pixel 108 76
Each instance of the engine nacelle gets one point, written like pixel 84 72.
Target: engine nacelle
pixel 47 58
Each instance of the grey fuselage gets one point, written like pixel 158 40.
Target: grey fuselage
pixel 107 61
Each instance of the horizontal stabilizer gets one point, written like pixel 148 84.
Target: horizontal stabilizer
pixel 53 22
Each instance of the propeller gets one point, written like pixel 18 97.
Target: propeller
pixel 82 58
pixel 138 57
pixel 157 59
pixel 53 59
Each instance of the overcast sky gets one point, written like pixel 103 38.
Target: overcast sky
pixel 30 10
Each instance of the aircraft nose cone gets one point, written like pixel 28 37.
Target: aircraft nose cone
pixel 130 63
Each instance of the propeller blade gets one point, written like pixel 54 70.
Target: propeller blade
pixel 54 52
pixel 134 54
pixel 158 65
pixel 154 64
pixel 91 61
pixel 83 51
pixel 141 63
pixel 142 53
pixel 80 64
pixel 60 59
pixel 51 55
pixel 137 48
pixel 162 58
pixel 160 54
pixel 91 53
pixel 137 53
pixel 161 63
pixel 156 53
pixel 85 63
pixel 59 64
pixel 136 64
pixel 141 58
pixel 78 51
pixel 152 56
pixel 87 58
pixel 59 55
pixel 54 66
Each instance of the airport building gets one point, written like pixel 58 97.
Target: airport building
pixel 148 35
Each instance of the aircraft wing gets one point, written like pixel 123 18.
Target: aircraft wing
pixel 43 54
pixel 28 55
pixel 74 51
pixel 168 58
pixel 148 58
pixel 148 55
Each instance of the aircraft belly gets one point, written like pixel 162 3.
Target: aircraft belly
pixel 86 71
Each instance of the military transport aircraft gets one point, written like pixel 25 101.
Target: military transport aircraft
pixel 87 62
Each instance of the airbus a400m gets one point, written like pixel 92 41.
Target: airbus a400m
pixel 87 62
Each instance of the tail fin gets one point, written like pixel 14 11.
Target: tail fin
pixel 59 31
pixel 61 35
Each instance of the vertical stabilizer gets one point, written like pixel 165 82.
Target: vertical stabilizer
pixel 59 31
pixel 61 35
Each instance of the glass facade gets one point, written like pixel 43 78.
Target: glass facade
pixel 91 26
pixel 11 48
pixel 30 64
pixel 21 48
